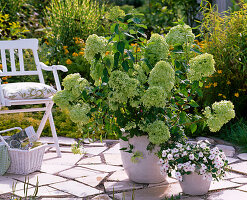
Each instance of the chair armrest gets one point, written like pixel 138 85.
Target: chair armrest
pixel 51 68
pixel 54 69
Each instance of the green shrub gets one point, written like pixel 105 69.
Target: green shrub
pixel 64 126
pixel 74 18
pixel 160 15
pixel 236 132
pixel 226 39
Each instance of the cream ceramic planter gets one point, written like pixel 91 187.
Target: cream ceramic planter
pixel 194 184
pixel 147 169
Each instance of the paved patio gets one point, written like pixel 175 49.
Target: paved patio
pixel 96 173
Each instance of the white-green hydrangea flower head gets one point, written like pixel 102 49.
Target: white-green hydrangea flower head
pixel 95 45
pixel 154 96
pixel 157 49
pixel 162 75
pixel 62 99
pixel 201 66
pixel 78 113
pixel 158 132
pixel 223 112
pixel 70 80
pixel 115 13
pixel 123 88
pixel 139 74
pixel 179 35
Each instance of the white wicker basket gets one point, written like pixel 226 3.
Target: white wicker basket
pixel 25 161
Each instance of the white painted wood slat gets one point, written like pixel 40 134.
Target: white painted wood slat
pixel 21 61
pixel 3 57
pixel 12 60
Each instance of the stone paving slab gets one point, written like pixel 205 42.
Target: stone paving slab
pixel 243 188
pixel 77 172
pixel 239 167
pixel 230 175
pixel 114 149
pixel 62 149
pixel 101 197
pixel 93 150
pixel 239 180
pixel 153 193
pixel 228 195
pixel 121 186
pixel 53 169
pixel 61 140
pixel 113 159
pixel 76 188
pixel 228 150
pixel 6 185
pixel 103 167
pixel 119 175
pixel 231 160
pixel 44 191
pixel 90 160
pixel 43 178
pixel 92 180
pixel 167 181
pixel 66 159
pixel 242 156
pixel 223 184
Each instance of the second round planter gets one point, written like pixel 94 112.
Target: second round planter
pixel 194 184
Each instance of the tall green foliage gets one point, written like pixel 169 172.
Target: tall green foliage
pixel 160 15
pixel 226 39
pixel 74 18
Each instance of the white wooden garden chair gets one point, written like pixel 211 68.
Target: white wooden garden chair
pixel 12 94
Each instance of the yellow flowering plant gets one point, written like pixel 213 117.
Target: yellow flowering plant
pixel 140 87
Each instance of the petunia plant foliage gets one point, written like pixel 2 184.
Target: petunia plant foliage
pixel 142 86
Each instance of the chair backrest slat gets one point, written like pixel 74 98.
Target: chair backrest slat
pixel 21 60
pixel 12 60
pixel 3 57
pixel 19 45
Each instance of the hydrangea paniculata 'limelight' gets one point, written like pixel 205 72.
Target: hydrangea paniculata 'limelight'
pixel 223 112
pixel 123 88
pixel 115 13
pixel 96 72
pixel 95 45
pixel 201 66
pixel 139 74
pixel 154 96
pixel 62 99
pixel 158 132
pixel 78 113
pixel 179 35
pixel 79 86
pixel 157 49
pixel 70 80
pixel 162 75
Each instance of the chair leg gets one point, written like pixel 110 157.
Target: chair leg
pixel 47 115
pixel 44 119
pixel 54 135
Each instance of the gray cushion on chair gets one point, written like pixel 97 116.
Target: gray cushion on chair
pixel 27 90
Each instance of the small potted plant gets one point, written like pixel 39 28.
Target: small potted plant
pixel 195 165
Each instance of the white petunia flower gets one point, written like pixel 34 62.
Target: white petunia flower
pixel 179 145
pixel 191 157
pixel 169 157
pixel 211 157
pixel 200 154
